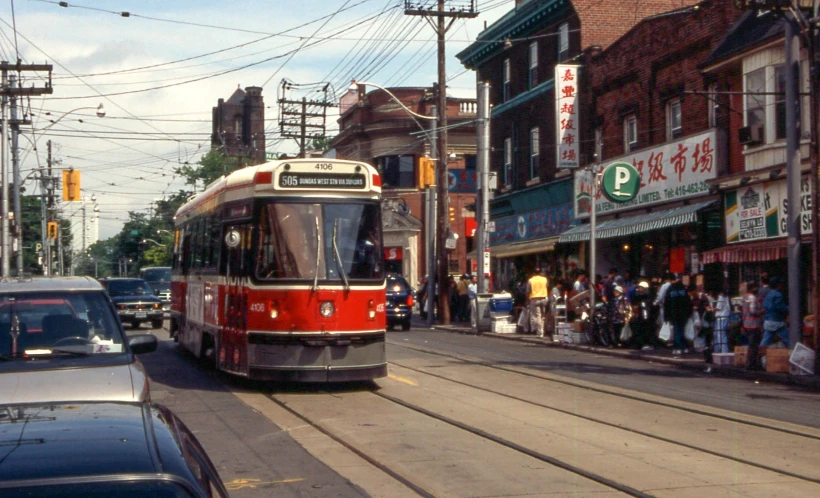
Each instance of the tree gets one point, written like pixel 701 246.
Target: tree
pixel 321 142
pixel 210 167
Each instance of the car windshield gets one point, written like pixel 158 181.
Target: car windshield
pixel 156 274
pixel 39 323
pixel 118 288
pixel 319 241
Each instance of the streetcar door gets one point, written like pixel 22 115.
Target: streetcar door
pixel 233 338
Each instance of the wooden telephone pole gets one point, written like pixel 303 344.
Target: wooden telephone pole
pixel 458 9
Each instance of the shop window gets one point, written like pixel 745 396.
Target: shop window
pixel 674 121
pixel 533 73
pixel 780 102
pixel 398 171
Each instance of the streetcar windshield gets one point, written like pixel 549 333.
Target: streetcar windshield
pixel 307 241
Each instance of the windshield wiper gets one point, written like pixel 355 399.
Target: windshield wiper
pixel 318 253
pixel 338 257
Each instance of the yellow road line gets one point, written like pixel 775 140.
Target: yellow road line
pixel 402 380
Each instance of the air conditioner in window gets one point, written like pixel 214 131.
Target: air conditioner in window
pixel 751 135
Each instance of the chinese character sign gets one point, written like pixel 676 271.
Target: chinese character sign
pixel 566 116
pixel 673 171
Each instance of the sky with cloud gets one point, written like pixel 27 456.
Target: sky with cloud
pixel 161 69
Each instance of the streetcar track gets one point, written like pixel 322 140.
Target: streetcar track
pixel 467 428
pixel 570 383
pixel 616 426
pixel 387 470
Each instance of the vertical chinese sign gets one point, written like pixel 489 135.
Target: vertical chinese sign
pixel 566 116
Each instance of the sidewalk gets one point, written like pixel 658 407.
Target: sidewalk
pixel 691 361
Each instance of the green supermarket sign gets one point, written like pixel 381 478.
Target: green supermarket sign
pixel 620 182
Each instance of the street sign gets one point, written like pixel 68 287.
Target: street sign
pixel 620 182
pixel 490 227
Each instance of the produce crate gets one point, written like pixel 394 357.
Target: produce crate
pixel 741 355
pixel 777 360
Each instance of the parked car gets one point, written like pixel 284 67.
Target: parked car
pixel 135 301
pixel 101 449
pixel 60 340
pixel 400 299
pixel 159 278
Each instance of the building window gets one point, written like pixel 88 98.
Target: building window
pixel 780 102
pixel 712 104
pixel 508 161
pixel 470 162
pixel 506 80
pixel 534 153
pixel 237 126
pixel 630 133
pixel 756 103
pixel 674 123
pixel 398 171
pixel 599 145
pixel 533 75
pixel 563 42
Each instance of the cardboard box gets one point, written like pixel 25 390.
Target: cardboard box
pixel 777 360
pixel 723 359
pixel 577 326
pixel 577 338
pixel 741 355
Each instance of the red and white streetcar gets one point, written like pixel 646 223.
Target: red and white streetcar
pixel 278 272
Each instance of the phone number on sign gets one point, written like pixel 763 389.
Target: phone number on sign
pixel 682 190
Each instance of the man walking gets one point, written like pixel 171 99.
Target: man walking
pixel 536 292
pixel 752 324
pixel 774 314
pixel 677 308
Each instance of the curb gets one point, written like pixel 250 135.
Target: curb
pixel 809 382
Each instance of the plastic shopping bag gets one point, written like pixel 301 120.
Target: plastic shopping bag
pixel 689 330
pixel 666 331
pixel 524 320
pixel 626 333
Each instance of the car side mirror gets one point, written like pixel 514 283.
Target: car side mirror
pixel 143 343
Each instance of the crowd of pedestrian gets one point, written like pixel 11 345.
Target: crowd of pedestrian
pixel 648 313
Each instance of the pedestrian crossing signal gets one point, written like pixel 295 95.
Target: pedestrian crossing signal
pixel 52 230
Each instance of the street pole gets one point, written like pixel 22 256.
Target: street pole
pixel 441 174
pixel 483 139
pixel 430 231
pixel 814 120
pixel 593 219
pixel 793 177
pixel 4 187
pixel 15 173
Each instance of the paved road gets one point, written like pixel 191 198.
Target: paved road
pixel 255 457
pixel 776 401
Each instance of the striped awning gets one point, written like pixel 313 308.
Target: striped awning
pixel 621 227
pixel 747 252
pixel 520 248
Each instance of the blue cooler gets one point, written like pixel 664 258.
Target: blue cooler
pixel 501 304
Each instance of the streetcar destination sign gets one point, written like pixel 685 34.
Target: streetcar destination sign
pixel 309 179
pixel 620 182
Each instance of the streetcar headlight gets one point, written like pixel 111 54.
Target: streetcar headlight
pixel 327 309
pixel 274 310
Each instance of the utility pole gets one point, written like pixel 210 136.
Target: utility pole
pixel 13 90
pixel 483 204
pixel 315 119
pixel 793 177
pixel 430 231
pixel 458 10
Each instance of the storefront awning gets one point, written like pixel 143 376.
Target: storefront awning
pixel 519 248
pixel 621 227
pixel 747 252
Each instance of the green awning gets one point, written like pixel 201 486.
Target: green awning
pixel 629 225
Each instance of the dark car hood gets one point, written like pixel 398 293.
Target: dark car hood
pixel 134 299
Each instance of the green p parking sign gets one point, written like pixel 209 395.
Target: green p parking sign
pixel 620 182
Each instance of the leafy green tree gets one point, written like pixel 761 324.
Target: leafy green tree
pixel 321 142
pixel 210 167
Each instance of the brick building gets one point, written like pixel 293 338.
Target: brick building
pixel 517 56
pixel 374 128
pixel 238 126
pixel 648 103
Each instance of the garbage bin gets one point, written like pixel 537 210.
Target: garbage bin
pixel 483 312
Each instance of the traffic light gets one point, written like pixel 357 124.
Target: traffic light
pixel 452 213
pixel 52 229
pixel 426 172
pixel 71 185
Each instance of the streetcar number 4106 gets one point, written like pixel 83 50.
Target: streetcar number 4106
pixel 324 166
